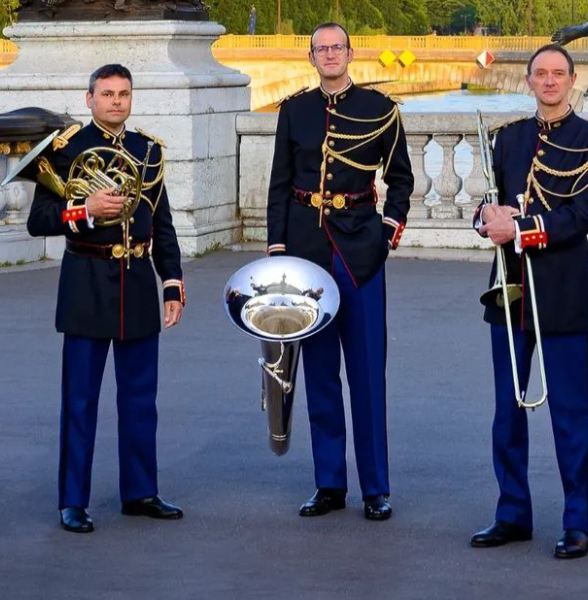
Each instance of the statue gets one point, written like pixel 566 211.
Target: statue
pixel 97 10
pixel 569 34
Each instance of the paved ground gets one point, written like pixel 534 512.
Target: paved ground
pixel 241 537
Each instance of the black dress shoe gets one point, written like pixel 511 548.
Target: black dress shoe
pixel 377 508
pixel 154 507
pixel 324 501
pixel 572 544
pixel 76 519
pixel 500 533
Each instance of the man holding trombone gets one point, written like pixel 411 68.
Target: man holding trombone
pixel 536 211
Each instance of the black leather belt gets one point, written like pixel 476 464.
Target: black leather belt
pixel 337 201
pixel 108 251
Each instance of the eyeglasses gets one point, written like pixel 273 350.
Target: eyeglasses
pixel 335 48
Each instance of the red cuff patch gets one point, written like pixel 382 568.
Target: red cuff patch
pixel 73 214
pixel 536 238
pixel 397 235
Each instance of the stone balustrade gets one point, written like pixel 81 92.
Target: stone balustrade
pixel 445 156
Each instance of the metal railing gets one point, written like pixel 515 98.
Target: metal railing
pixel 423 42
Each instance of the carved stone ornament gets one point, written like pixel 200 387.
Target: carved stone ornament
pixel 96 10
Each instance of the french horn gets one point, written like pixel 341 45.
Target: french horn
pixel 280 301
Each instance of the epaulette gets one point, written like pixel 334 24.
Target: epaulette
pixel 302 90
pixel 375 88
pixel 507 124
pixel 157 140
pixel 62 140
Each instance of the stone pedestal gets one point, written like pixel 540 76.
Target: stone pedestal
pixel 181 94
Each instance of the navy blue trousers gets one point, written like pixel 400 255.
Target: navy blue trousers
pixel 135 365
pixel 566 367
pixel 360 328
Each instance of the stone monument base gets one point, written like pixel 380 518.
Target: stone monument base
pixel 181 95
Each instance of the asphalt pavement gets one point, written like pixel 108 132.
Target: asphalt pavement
pixel 241 537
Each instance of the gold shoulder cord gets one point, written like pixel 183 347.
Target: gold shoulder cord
pixel 533 183
pixel 366 139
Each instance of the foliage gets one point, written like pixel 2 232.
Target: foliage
pixel 7 12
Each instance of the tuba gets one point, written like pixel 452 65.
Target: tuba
pixel 280 301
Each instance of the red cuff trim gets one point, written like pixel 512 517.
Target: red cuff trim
pixel 73 214
pixel 534 238
pixel 397 235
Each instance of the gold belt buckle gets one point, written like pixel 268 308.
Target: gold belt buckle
pixel 138 250
pixel 316 200
pixel 118 251
pixel 338 201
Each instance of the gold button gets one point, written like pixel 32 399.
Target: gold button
pixel 327 193
pixel 105 136
pixel 556 124
pixel 331 143
pixel 329 176
pixel 334 111
pixel 330 159
pixel 327 211
pixel 541 153
pixel 531 200
pixel 332 127
pixel 343 96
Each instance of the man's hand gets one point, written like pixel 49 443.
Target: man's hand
pixel 501 228
pixel 172 313
pixel 104 203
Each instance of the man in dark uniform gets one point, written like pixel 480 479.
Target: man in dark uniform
pixel 545 158
pixel 330 142
pixel 108 294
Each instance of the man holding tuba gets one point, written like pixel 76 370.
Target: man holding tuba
pixel 104 190
pixel 542 161
pixel 330 142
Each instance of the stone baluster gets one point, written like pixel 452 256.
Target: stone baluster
pixel 475 184
pixel 448 182
pixel 17 197
pixel 17 201
pixel 422 181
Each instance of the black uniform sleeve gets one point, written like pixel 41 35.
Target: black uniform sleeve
pixel 280 187
pixel 399 179
pixel 46 217
pixel 166 251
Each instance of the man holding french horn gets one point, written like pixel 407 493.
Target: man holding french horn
pixel 330 142
pixel 536 211
pixel 102 187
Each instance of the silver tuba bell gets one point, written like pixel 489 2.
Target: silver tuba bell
pixel 280 301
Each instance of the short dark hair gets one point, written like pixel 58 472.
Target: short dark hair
pixel 552 48
pixel 109 71
pixel 331 25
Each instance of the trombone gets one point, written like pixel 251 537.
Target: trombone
pixel 503 293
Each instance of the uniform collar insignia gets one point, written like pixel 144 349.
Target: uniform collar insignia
pixel 334 97
pixel 108 135
pixel 553 123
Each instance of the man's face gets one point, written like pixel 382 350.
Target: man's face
pixel 111 102
pixel 330 55
pixel 550 80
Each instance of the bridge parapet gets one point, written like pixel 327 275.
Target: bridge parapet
pixel 445 156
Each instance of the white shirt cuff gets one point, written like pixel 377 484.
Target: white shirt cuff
pixel 89 219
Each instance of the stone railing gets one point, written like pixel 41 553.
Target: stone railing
pixel 445 156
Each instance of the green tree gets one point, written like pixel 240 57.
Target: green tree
pixel 7 14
